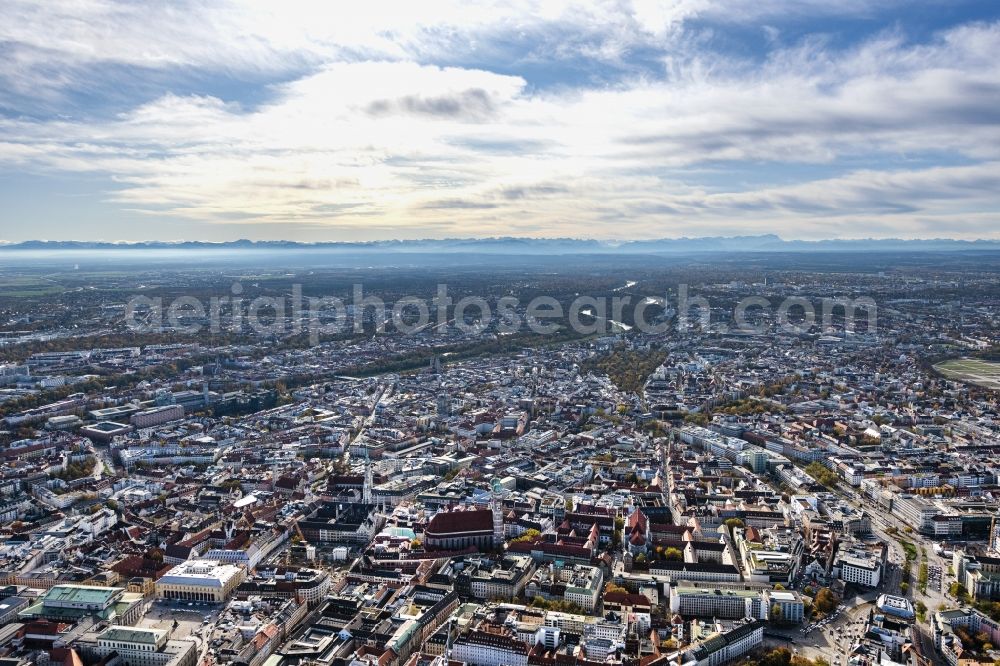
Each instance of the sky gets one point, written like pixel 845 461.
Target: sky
pixel 326 121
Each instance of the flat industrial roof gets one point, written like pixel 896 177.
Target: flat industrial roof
pixel 132 634
pixel 83 594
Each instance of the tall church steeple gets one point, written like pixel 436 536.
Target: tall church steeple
pixel 497 507
pixel 367 492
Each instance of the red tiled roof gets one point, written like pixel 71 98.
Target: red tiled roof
pixel 458 522
pixel 626 599
pixel 637 519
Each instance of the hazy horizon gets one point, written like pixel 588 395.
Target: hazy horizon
pixel 604 242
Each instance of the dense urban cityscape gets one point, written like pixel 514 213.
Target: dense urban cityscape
pixel 820 491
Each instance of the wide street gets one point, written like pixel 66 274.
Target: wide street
pixel 834 638
pixel 190 618
pixel 888 528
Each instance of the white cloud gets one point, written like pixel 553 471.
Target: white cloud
pixel 73 37
pixel 65 44
pixel 372 136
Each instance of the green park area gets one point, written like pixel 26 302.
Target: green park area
pixel 971 370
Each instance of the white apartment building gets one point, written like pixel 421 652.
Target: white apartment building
pixel 787 602
pixel 146 647
pixel 583 586
pixel 864 571
pixel 480 648
pixel 200 580
pixel 722 648
pixel 156 416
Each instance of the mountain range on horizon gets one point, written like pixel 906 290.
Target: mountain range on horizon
pixel 507 245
